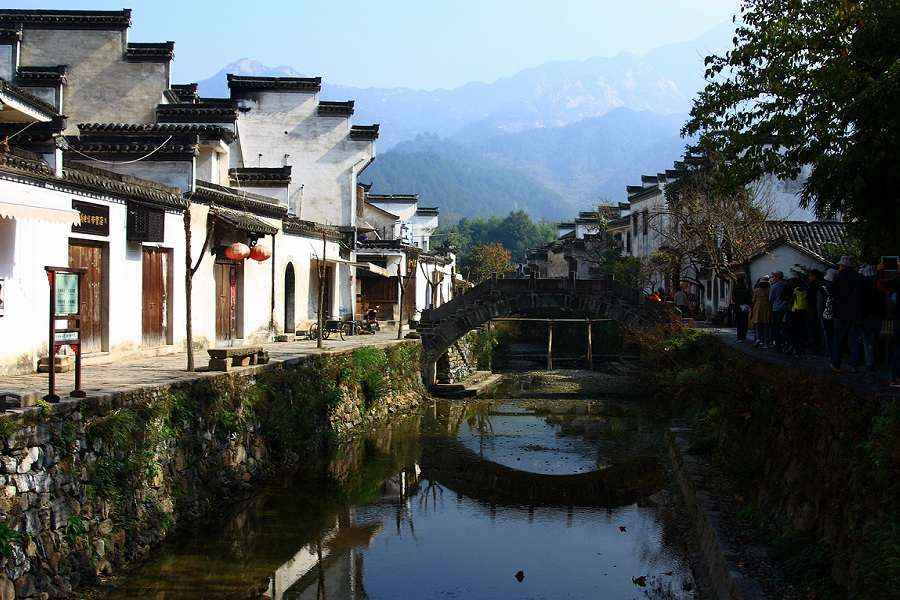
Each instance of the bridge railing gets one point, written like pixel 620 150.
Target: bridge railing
pixel 538 286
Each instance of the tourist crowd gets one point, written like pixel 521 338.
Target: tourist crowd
pixel 834 313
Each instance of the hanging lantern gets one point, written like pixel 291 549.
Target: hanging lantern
pixel 237 251
pixel 260 252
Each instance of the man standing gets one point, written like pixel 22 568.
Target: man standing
pixel 847 305
pixel 779 308
pixel 795 319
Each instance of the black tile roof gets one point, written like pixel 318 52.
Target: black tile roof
pixel 185 92
pixel 296 226
pixel 41 75
pixel 404 198
pixel 6 88
pixel 21 163
pixel 281 84
pixel 36 132
pixel 808 236
pixel 335 109
pixel 261 176
pixel 243 220
pixel 179 145
pixel 68 19
pixel 364 132
pixel 203 111
pixel 150 52
pixel 110 130
pixel 234 198
pixel 10 33
pixel 124 185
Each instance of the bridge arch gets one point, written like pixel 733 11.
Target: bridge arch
pixel 441 327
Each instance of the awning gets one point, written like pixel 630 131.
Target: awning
pixel 14 210
pixel 374 268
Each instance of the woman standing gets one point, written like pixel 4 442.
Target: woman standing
pixel 762 314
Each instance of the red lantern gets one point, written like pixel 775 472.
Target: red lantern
pixel 237 251
pixel 260 252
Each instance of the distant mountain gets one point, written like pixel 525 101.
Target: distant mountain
pixel 555 94
pixel 551 173
pixel 552 139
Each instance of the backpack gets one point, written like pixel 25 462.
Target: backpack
pixel 800 299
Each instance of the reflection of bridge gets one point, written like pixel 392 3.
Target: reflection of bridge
pixel 444 325
pixel 446 460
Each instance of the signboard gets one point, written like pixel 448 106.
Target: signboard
pixel 94 218
pixel 66 300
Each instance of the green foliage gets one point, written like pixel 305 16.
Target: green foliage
pixel 482 262
pixel 45 407
pixel 8 538
pixel 369 365
pixel 516 232
pixel 7 427
pixel 118 430
pixel 483 343
pixel 812 83
pixel 75 530
pixel 112 480
pixel 461 186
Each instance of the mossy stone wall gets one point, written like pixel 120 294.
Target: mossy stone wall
pixel 90 486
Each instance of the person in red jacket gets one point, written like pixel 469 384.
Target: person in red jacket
pixel 891 287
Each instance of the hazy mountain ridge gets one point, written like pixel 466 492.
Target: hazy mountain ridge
pixel 552 139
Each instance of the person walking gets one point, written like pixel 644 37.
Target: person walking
pixel 846 292
pixel 762 314
pixel 892 288
pixel 778 298
pixel 795 318
pixel 740 307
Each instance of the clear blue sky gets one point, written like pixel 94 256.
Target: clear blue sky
pixel 419 44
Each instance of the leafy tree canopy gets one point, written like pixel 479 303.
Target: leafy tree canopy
pixel 516 232
pixel 812 82
pixel 482 261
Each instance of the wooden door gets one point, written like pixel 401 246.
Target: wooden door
pixel 290 289
pixel 155 295
pixel 226 301
pixel 89 256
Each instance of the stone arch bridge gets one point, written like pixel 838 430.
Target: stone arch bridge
pixel 441 327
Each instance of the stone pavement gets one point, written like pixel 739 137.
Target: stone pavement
pixel 100 376
pixel 869 384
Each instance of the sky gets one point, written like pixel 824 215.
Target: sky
pixel 417 44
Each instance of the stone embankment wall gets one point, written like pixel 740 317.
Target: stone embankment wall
pixel 88 487
pixel 457 364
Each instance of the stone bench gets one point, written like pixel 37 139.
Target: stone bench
pixel 222 359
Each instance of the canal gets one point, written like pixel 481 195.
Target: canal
pixel 553 488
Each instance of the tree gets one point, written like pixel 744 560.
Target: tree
pixel 704 225
pixel 814 83
pixel 485 260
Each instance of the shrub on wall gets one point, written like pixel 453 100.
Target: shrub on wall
pixel 814 459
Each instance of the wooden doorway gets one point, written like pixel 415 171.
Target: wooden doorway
pixel 290 290
pixel 156 309
pixel 228 283
pixel 89 255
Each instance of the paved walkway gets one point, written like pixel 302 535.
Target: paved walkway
pixel 100 377
pixel 870 384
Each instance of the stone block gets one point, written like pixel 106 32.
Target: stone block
pixel 219 364
pixel 61 364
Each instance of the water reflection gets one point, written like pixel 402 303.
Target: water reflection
pixel 452 504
